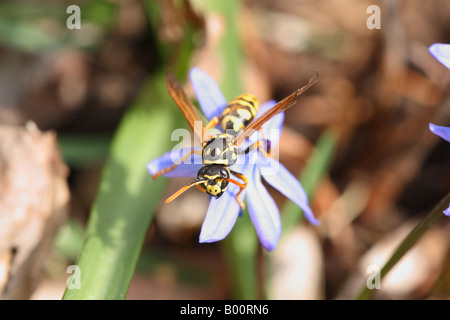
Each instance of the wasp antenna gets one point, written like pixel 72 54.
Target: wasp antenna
pixel 176 194
pixel 157 174
pixel 314 78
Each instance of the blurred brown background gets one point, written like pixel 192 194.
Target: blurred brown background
pixel 379 89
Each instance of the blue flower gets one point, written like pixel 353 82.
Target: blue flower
pixel 223 212
pixel 443 132
pixel 441 52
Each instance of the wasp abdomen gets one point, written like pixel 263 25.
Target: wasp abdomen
pixel 238 113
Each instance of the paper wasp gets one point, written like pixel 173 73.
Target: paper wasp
pixel 220 151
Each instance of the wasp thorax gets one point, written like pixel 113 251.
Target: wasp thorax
pixel 213 177
pixel 219 150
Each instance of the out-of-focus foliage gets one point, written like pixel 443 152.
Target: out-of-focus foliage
pixel 358 140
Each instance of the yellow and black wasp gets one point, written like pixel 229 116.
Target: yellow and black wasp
pixel 220 150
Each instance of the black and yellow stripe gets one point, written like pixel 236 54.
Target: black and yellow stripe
pixel 219 150
pixel 238 113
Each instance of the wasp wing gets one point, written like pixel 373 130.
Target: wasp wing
pixel 188 110
pixel 281 106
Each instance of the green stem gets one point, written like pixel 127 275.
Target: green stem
pixel 409 241
pixel 318 165
pixel 240 246
pixel 126 199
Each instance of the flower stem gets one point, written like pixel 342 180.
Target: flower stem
pixel 260 272
pixel 241 244
pixel 430 219
pixel 317 167
pixel 240 248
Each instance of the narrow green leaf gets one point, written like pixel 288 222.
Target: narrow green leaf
pixel 126 198
pixel 419 230
pixel 240 248
pixel 82 150
pixel 230 51
pixel 318 165
pixel 241 245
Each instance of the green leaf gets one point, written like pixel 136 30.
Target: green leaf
pixel 410 240
pixel 318 165
pixel 127 198
pixel 240 247
pixel 84 150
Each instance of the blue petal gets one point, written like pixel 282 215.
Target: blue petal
pixel 271 130
pixel 441 52
pixel 443 132
pixel 447 211
pixel 265 107
pixel 188 168
pixel 222 213
pixel 221 216
pixel 263 212
pixel 208 93
pixel 282 180
pixel 275 122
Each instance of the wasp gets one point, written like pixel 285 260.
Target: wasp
pixel 220 150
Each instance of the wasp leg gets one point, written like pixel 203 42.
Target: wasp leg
pixel 211 124
pixel 263 146
pixel 183 158
pixel 240 185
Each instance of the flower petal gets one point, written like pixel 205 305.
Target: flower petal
pixel 221 216
pixel 263 212
pixel 275 122
pixel 188 168
pixel 270 131
pixel 443 132
pixel 282 180
pixel 222 213
pixel 447 211
pixel 441 52
pixel 208 93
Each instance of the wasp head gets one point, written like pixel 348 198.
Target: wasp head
pixel 214 179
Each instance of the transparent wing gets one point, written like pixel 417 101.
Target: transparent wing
pixel 281 106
